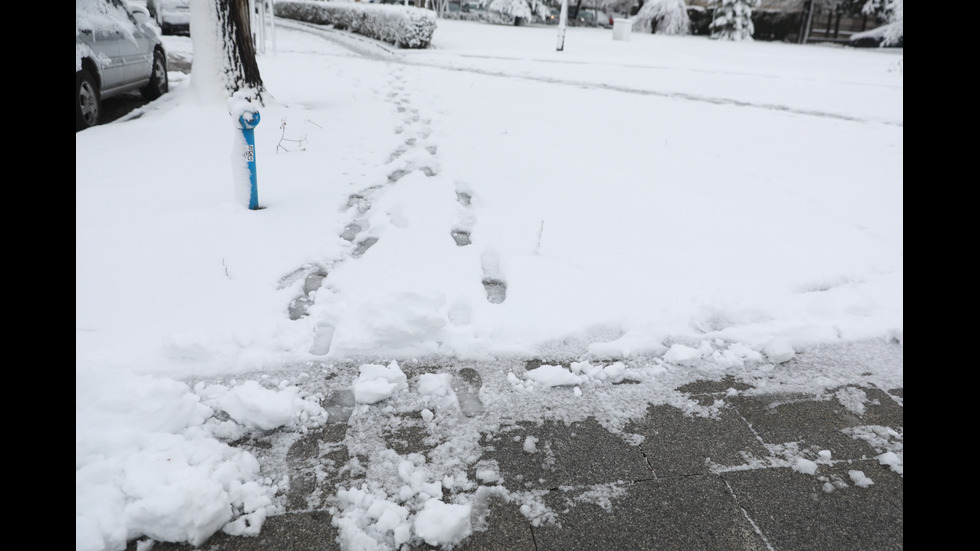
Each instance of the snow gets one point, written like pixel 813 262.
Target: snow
pixel 657 210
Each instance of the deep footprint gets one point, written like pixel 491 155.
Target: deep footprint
pixel 496 290
pixel 339 406
pixel 462 237
pixel 351 231
pixel 363 246
pixel 299 307
pixel 466 384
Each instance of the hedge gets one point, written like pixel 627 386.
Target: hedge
pixel 402 26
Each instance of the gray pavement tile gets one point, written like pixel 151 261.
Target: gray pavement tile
pixel 316 462
pixel 506 529
pixel 714 387
pixel 812 422
pixel 673 514
pixel 308 531
pixel 580 453
pixel 677 444
pixel 825 510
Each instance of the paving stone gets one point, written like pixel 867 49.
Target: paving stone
pixel 577 454
pixel 306 531
pixel 673 514
pixel 677 444
pixel 809 421
pixel 795 510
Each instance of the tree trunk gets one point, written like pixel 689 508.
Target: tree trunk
pixel 578 6
pixel 240 67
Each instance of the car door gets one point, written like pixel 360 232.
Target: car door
pixel 104 43
pixel 135 49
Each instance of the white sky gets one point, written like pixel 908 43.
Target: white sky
pixel 660 208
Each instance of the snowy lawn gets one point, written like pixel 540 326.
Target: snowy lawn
pixel 660 209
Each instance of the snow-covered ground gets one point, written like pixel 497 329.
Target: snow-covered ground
pixel 656 210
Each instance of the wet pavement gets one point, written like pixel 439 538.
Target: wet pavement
pixel 774 470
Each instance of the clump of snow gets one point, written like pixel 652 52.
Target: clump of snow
pixel 530 444
pixel 805 466
pixel 435 384
pixel 377 382
pixel 893 460
pixel 257 407
pixel 859 478
pixel 487 475
pixel 140 432
pixel 553 375
pixel 441 523
pixel 779 351
pixel 682 354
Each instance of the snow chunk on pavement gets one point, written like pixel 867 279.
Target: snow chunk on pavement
pixel 440 523
pixel 435 384
pixel 894 461
pixel 255 406
pixel 377 383
pixel 682 354
pixel 553 375
pixel 779 352
pixel 805 466
pixel 860 479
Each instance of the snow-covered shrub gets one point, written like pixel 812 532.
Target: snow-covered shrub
pixel 519 10
pixel 733 19
pixel 402 26
pixel 663 16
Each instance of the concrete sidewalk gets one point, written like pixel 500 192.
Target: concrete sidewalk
pixel 723 483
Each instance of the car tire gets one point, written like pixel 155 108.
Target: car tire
pixel 88 103
pixel 158 85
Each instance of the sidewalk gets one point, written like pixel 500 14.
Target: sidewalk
pixel 740 480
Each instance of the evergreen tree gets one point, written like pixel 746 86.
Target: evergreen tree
pixel 520 10
pixel 663 16
pixel 733 19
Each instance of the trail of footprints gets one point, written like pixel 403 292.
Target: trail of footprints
pixel 417 131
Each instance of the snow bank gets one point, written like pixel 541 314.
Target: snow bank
pixel 403 26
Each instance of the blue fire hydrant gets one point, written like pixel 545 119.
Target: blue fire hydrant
pixel 248 121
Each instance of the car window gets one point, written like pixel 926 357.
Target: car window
pixel 103 15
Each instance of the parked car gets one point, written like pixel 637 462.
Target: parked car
pixel 588 17
pixel 172 16
pixel 116 51
pixel 554 14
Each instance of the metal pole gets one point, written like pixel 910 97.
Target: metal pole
pixel 272 20
pixel 562 20
pixel 248 130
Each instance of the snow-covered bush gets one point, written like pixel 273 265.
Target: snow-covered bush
pixel 519 10
pixel 663 16
pixel 895 12
pixel 733 19
pixel 403 26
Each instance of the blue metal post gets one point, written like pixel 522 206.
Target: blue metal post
pixel 248 122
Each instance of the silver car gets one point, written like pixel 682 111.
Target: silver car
pixel 173 16
pixel 116 51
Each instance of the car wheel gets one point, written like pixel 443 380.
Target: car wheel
pixel 158 84
pixel 87 101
